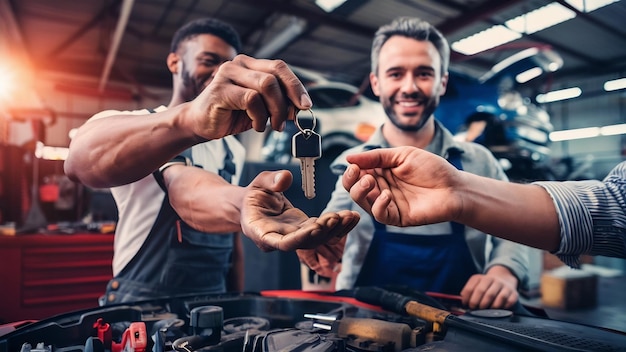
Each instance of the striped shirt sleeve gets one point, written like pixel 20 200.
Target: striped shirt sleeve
pixel 592 216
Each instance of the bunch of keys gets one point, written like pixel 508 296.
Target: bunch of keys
pixel 306 145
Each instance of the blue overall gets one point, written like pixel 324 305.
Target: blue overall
pixel 175 258
pixel 435 263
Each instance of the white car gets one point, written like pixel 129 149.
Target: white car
pixel 344 118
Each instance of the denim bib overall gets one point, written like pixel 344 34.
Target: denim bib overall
pixel 175 258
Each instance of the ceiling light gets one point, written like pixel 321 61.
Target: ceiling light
pixel 541 18
pixel 487 39
pixel 50 153
pixel 613 130
pixel 588 132
pixel 577 133
pixel 557 95
pixel 329 5
pixel 553 66
pixel 528 75
pixel 528 23
pixel 615 84
pixel 588 6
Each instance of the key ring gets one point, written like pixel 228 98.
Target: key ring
pixel 306 131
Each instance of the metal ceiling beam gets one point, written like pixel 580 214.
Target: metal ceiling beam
pixel 147 76
pixel 319 17
pixel 161 20
pixel 481 12
pixel 597 23
pixel 484 13
pixel 473 15
pixel 84 28
pixel 556 46
pixel 127 7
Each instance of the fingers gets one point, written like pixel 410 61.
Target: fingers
pixel 275 181
pixel 479 293
pixel 279 87
pixel 359 188
pixel 382 207
pixel 315 261
pixel 366 193
pixel 505 299
pixel 377 158
pixel 328 228
pixel 350 177
pixel 310 235
pixel 309 258
pixel 482 292
pixel 348 219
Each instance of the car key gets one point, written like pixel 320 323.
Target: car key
pixel 306 145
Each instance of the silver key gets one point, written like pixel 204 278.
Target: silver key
pixel 306 145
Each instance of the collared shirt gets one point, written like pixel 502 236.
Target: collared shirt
pixel 486 250
pixel 592 216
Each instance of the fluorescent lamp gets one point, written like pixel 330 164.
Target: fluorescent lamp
pixel 615 84
pixel 528 75
pixel 553 66
pixel 613 130
pixel 487 39
pixel 557 95
pixel 50 153
pixel 588 6
pixel 329 5
pixel 577 133
pixel 589 132
pixel 541 18
pixel 528 23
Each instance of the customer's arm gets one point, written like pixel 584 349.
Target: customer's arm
pixel 592 215
pixel 408 186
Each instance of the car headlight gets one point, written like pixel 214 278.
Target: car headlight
pixel 510 100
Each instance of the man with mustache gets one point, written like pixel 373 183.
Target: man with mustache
pixel 409 74
pixel 174 170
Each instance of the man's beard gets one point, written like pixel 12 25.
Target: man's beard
pixel 192 86
pixel 427 114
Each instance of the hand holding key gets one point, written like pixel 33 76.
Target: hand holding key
pixel 306 145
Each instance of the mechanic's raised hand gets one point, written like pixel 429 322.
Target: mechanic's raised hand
pixel 403 186
pixel 272 222
pixel 491 290
pixel 244 94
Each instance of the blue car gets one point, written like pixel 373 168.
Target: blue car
pixel 515 130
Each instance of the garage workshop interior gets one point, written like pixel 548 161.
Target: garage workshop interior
pixel 98 252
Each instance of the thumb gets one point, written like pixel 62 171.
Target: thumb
pixel 276 181
pixel 377 158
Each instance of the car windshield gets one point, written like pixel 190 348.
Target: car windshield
pixel 329 98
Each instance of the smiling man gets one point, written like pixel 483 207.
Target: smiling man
pixel 409 74
pixel 174 172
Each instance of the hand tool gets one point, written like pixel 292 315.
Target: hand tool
pixel 539 335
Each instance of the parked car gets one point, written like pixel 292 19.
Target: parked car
pixel 344 118
pixel 517 131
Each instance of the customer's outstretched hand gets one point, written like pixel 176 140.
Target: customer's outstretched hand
pixel 404 186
